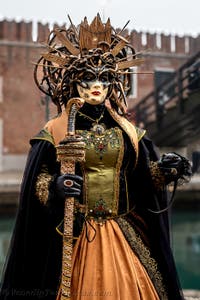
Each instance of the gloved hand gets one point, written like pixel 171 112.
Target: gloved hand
pixel 68 185
pixel 175 167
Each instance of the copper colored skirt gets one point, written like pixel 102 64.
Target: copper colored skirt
pixel 107 268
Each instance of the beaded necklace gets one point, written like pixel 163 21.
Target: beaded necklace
pixel 97 128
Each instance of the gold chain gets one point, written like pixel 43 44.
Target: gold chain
pixel 91 119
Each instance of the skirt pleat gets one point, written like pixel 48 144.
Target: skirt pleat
pixel 105 267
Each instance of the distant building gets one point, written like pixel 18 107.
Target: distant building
pixel 24 110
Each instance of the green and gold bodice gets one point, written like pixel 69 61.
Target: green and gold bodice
pixel 104 156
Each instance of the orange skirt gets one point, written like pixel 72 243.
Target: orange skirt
pixel 107 268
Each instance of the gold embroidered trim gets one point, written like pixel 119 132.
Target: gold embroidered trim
pixel 127 126
pixel 127 194
pixel 44 135
pixel 114 138
pixel 144 255
pixel 157 175
pixel 117 171
pixel 42 186
pixel 140 132
pixel 100 142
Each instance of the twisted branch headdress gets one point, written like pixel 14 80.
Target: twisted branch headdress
pixel 71 52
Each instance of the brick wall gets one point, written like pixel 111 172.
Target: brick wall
pixel 160 51
pixel 21 111
pixel 21 108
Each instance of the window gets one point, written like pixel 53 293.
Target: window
pixel 165 77
pixel 133 92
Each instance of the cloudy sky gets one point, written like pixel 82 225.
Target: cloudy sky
pixel 168 16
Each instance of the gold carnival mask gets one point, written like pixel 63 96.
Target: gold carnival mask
pixel 94 48
pixel 94 94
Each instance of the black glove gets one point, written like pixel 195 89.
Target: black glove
pixel 175 167
pixel 68 185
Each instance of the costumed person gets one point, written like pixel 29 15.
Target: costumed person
pixel 121 242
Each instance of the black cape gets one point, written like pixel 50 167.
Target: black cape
pixel 33 264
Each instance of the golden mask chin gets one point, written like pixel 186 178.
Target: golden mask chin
pixel 95 93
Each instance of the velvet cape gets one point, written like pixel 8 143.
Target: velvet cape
pixel 33 266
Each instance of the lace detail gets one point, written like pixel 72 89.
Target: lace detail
pixel 42 185
pixel 144 255
pixel 157 175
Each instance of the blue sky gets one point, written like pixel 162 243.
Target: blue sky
pixel 169 16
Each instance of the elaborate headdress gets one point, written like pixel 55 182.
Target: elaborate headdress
pixel 94 48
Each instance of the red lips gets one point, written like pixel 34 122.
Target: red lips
pixel 96 93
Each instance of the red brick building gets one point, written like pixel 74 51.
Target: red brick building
pixel 22 107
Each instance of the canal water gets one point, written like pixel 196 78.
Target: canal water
pixel 185 243
pixel 186 246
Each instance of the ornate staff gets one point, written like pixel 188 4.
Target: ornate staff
pixel 69 151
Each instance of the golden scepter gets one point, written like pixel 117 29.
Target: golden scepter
pixel 69 151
